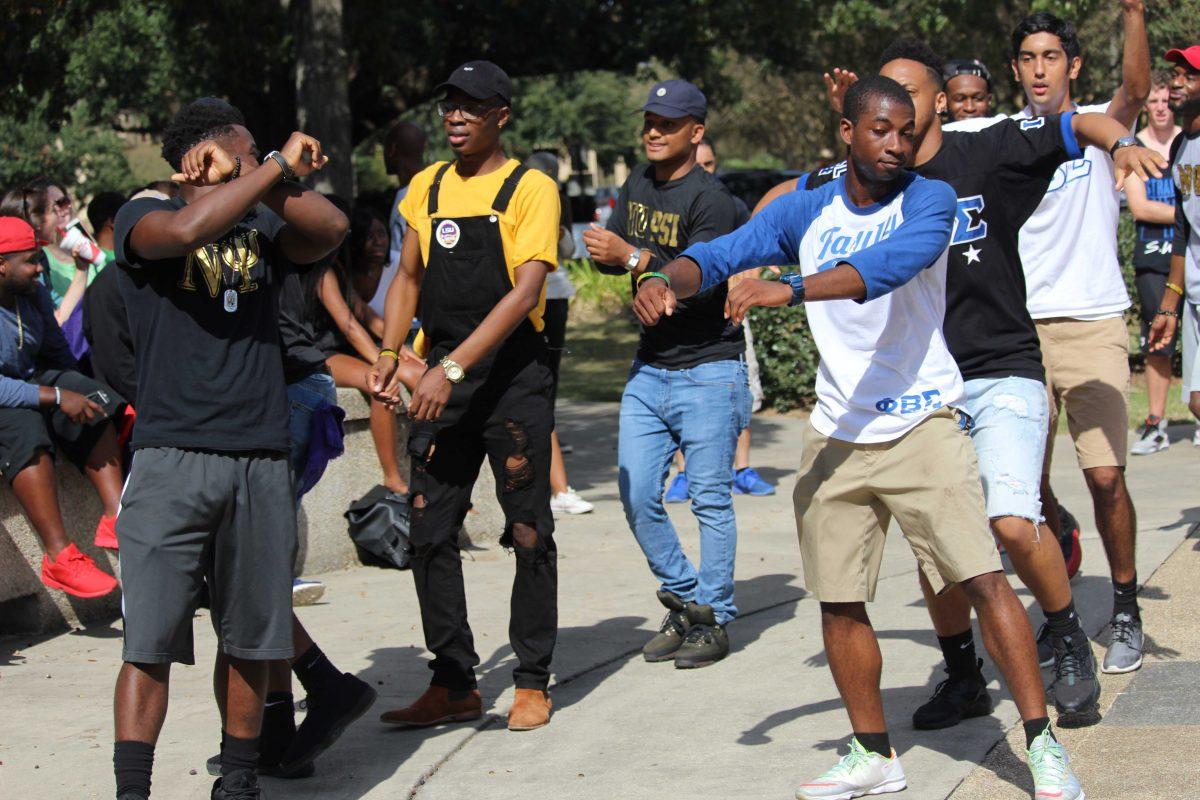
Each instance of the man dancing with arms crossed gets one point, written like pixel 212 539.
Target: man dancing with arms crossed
pixel 884 442
pixel 209 495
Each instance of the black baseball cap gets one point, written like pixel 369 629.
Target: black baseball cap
pixel 481 80
pixel 676 98
pixel 966 66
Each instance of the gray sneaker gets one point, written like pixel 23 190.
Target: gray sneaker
pixel 1151 438
pixel 1125 647
pixel 670 634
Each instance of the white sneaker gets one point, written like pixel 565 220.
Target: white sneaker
pixel 569 502
pixel 1150 439
pixel 306 592
pixel 859 773
pixel 1051 768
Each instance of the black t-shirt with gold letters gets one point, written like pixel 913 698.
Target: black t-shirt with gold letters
pixel 666 218
pixel 205 331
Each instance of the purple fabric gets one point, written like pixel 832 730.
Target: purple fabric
pixel 326 442
pixel 73 330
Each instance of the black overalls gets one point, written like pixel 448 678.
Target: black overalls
pixel 502 410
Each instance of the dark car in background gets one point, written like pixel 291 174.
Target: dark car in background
pixel 751 184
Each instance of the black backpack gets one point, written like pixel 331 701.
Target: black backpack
pixel 378 525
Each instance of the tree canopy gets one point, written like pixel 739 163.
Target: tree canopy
pixel 77 70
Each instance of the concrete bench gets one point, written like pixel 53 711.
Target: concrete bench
pixel 27 606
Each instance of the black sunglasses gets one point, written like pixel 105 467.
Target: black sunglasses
pixel 472 112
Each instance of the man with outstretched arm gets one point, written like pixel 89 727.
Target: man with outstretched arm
pixel 209 494
pixel 888 438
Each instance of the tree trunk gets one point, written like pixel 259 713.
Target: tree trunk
pixel 323 90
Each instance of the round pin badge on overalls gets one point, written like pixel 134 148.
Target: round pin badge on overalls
pixel 448 233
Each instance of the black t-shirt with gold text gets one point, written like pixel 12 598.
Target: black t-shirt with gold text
pixel 205 331
pixel 666 218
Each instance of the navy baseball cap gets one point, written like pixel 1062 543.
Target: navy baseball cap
pixel 676 98
pixel 481 80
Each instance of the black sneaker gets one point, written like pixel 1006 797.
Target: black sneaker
pixel 957 698
pixel 670 634
pixel 1076 689
pixel 705 642
pixel 278 731
pixel 130 796
pixel 240 784
pixel 330 712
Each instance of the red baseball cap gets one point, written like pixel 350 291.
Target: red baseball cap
pixel 1189 56
pixel 16 236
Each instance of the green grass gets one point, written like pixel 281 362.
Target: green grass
pixel 600 345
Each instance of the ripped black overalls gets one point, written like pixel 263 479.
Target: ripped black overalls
pixel 501 410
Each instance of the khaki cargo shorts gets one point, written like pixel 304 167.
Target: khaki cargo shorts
pixel 1087 370
pixel 928 480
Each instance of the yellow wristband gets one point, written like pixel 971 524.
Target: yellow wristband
pixel 389 352
pixel 1175 288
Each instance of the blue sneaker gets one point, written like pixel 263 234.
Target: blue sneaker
pixel 677 492
pixel 748 481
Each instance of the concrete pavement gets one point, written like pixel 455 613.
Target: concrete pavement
pixel 752 726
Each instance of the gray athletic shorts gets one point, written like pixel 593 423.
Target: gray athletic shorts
pixel 189 516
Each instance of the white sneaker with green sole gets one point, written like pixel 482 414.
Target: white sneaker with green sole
pixel 1051 768
pixel 858 774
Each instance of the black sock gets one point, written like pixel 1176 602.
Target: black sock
pixel 875 742
pixel 1034 728
pixel 279 704
pixel 278 727
pixel 315 671
pixel 1063 623
pixel 1125 598
pixel 238 754
pixel 959 652
pixel 132 765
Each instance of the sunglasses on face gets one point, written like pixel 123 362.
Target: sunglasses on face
pixel 471 112
pixel 61 204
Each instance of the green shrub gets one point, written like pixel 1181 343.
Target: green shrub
pixel 604 293
pixel 787 357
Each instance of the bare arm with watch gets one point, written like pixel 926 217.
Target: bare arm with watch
pixel 432 392
pixel 232 185
pixel 609 249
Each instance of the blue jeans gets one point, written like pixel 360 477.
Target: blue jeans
pixel 700 411
pixel 304 396
pixel 1011 417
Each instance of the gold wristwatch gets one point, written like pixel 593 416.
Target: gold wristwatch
pixel 454 371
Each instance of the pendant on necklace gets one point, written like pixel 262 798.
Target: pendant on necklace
pixel 231 300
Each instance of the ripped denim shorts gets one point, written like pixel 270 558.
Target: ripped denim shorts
pixel 1011 415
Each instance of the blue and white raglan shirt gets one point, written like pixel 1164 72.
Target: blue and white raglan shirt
pixel 885 366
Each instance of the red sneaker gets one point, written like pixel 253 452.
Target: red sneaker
pixel 106 533
pixel 76 574
pixel 1075 556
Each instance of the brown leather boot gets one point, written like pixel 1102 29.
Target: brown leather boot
pixel 435 707
pixel 530 709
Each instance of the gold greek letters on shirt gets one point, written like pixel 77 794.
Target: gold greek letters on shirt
pixel 650 224
pixel 1188 176
pixel 239 253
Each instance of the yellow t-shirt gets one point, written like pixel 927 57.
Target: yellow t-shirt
pixel 528 229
